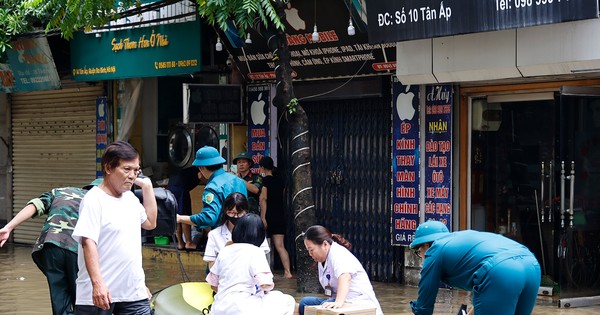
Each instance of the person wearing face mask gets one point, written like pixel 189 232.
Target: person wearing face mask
pixel 220 184
pixel 342 276
pixel 234 207
pixel 242 278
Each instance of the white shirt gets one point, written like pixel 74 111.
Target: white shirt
pixel 339 261
pixel 238 272
pixel 217 239
pixel 114 224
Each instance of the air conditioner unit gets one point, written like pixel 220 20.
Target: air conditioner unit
pixel 486 116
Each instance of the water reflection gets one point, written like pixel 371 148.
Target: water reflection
pixel 23 288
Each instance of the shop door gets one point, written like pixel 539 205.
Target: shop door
pixel 350 147
pixel 578 187
pixel 532 162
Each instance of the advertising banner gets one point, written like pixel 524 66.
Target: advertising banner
pixel 335 54
pixel 438 154
pixel 400 20
pixel 158 50
pixel 32 66
pixel 101 133
pixel 405 162
pixel 259 103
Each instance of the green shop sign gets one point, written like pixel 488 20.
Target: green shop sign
pixel 160 50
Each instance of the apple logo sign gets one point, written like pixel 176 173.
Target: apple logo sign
pixel 101 110
pixel 292 17
pixel 257 111
pixel 404 105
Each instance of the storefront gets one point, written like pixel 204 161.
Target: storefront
pixel 526 90
pixel 344 86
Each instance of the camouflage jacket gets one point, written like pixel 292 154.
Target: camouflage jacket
pixel 256 180
pixel 61 205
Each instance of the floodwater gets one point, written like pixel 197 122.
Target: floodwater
pixel 23 288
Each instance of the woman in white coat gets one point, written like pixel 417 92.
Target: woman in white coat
pixel 340 273
pixel 242 278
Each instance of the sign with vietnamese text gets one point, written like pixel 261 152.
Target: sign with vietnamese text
pixel 101 133
pixel 159 50
pixel 401 20
pixel 405 162
pixel 438 154
pixel 259 102
pixel 30 67
pixel 335 54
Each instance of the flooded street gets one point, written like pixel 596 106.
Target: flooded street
pixel 23 288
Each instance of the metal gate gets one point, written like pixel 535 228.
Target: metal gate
pixel 53 145
pixel 351 158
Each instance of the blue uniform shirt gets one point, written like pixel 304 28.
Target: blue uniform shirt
pixel 219 186
pixel 459 258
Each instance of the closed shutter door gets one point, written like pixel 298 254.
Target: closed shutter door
pixel 53 145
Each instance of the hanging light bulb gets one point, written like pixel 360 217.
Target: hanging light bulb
pixel 218 45
pixel 248 39
pixel 315 34
pixel 351 30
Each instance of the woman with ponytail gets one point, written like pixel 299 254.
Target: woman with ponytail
pixel 342 276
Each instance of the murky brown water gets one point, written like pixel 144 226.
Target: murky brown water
pixel 23 288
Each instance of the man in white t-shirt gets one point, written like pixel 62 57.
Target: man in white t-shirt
pixel 111 279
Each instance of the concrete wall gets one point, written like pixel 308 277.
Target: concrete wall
pixel 5 201
pixel 554 49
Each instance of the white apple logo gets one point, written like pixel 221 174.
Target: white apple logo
pixel 404 105
pixel 257 111
pixel 101 110
pixel 292 17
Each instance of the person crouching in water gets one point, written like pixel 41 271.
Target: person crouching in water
pixel 340 273
pixel 503 274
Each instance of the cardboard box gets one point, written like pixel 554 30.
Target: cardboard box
pixel 348 309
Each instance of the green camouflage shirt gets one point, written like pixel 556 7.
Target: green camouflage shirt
pixel 256 180
pixel 61 205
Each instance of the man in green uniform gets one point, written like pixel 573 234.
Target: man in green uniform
pixel 55 251
pixel 253 181
pixel 220 184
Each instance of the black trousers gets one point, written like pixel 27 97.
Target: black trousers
pixel 60 268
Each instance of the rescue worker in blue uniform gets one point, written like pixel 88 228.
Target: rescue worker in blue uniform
pixel 220 184
pixel 503 274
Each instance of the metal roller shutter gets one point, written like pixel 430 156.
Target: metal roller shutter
pixel 53 145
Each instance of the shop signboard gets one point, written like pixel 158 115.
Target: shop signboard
pixel 401 20
pixel 405 162
pixel 335 54
pixel 438 153
pixel 158 50
pixel 259 103
pixel 101 133
pixel 30 67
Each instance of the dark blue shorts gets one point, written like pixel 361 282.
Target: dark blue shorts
pixel 141 307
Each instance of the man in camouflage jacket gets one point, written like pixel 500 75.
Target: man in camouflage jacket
pixel 55 251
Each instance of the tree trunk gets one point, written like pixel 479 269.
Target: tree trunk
pixel 303 200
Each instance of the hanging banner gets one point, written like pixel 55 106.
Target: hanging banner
pixel 259 101
pixel 335 53
pixel 405 162
pixel 32 66
pixel 438 154
pixel 101 133
pixel 400 20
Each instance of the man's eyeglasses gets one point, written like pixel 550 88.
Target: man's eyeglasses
pixel 417 251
